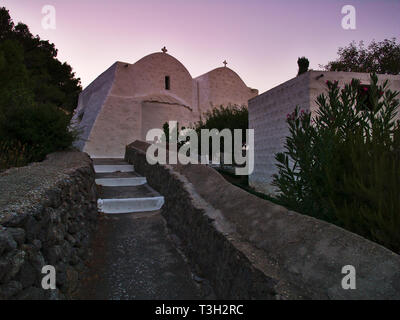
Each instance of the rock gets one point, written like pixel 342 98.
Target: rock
pixel 18 234
pixel 54 196
pixel 33 227
pixel 55 234
pixel 71 239
pixel 197 279
pixel 73 228
pixel 74 260
pixel 7 242
pixel 17 260
pixel 32 293
pixel 27 275
pixel 72 279
pixel 53 254
pixel 37 243
pixel 5 266
pixel 10 289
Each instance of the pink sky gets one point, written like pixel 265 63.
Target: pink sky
pixel 260 39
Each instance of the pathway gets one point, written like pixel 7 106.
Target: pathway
pixel 133 255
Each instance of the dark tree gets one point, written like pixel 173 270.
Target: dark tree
pixel 303 64
pixel 37 95
pixel 51 81
pixel 379 57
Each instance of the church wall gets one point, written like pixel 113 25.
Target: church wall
pixel 90 103
pixel 118 124
pixel 267 116
pixel 154 115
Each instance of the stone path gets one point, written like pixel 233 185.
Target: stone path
pixel 133 255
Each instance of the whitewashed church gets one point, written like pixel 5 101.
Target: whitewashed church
pixel 127 100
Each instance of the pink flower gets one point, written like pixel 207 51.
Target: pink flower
pixel 365 89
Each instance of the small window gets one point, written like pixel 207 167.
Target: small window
pixel 167 83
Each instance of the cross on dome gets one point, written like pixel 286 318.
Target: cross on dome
pixel 225 63
pixel 164 49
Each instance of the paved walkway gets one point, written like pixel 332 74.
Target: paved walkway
pixel 133 257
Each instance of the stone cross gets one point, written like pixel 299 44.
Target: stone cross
pixel 164 50
pixel 225 63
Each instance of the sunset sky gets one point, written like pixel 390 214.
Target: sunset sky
pixel 260 39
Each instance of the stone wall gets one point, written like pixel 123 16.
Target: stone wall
pixel 47 211
pixel 250 248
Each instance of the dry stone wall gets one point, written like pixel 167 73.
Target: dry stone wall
pixel 47 212
pixel 250 248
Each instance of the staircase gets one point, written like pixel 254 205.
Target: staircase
pixel 122 190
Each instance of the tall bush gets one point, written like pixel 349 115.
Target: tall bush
pixel 343 164
pixel 37 94
pixel 303 65
pixel 229 117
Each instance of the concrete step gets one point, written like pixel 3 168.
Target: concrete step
pixel 128 199
pixel 113 168
pixel 140 191
pixel 108 161
pixel 121 190
pixel 117 175
pixel 130 205
pixel 121 182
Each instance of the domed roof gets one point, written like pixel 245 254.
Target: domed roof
pixel 220 74
pixel 161 57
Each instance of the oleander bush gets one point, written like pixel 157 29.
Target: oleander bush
pixel 343 164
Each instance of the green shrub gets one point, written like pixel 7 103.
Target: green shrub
pixel 224 117
pixel 303 64
pixel 36 130
pixel 343 165
pixel 12 154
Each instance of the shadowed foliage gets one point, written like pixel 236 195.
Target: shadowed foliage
pixel 37 95
pixel 229 117
pixel 343 165
pixel 379 57
pixel 303 64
